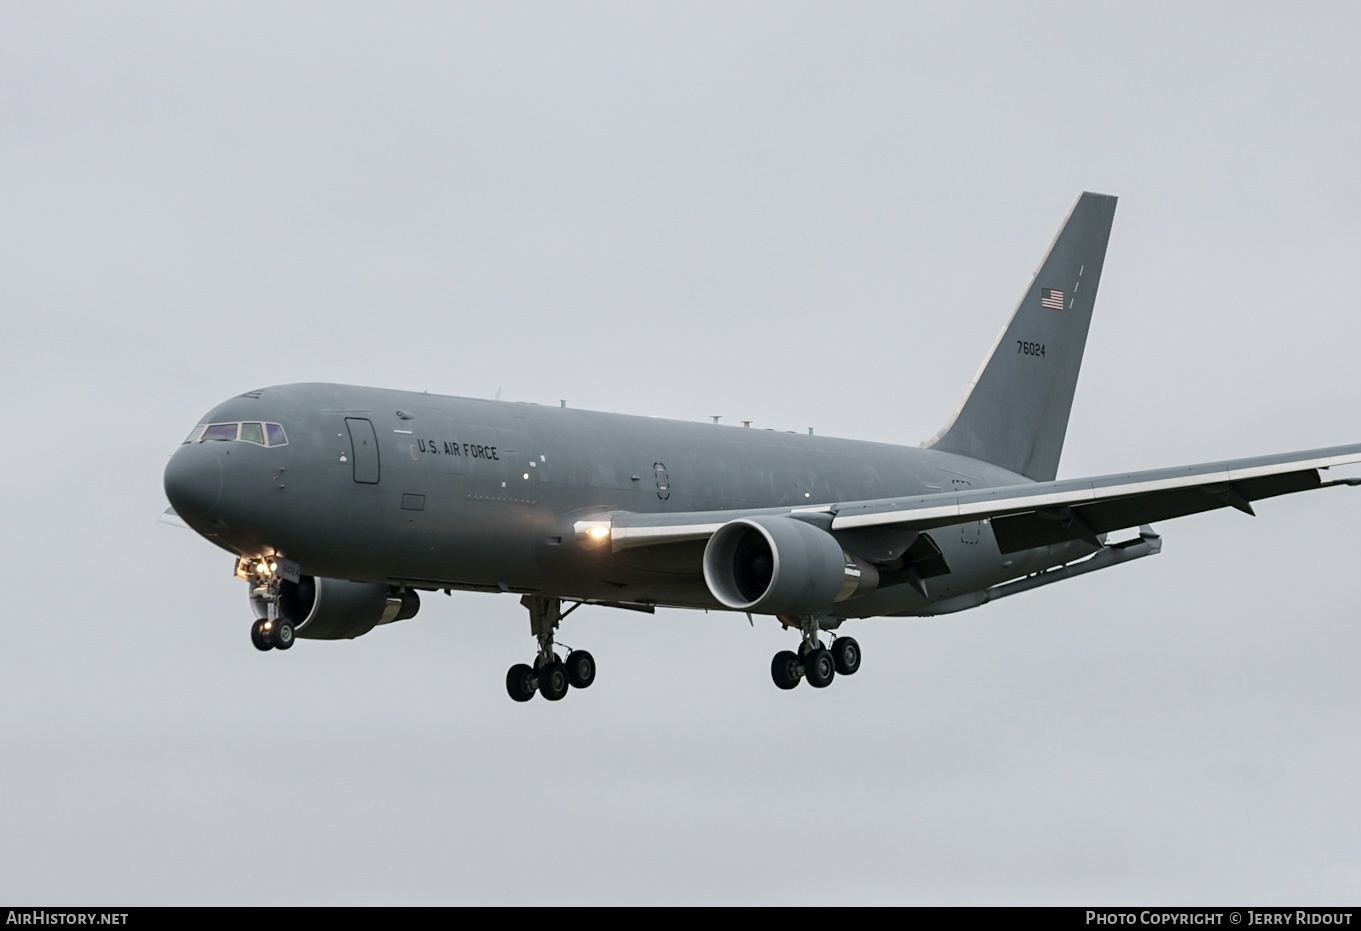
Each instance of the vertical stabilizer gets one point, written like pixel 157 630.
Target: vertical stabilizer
pixel 1016 411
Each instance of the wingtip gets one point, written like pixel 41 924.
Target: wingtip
pixel 173 519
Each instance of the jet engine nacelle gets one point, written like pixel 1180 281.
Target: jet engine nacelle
pixel 781 565
pixel 333 609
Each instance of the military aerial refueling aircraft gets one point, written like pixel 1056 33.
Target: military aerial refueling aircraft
pixel 341 503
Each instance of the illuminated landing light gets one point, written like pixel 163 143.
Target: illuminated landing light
pixel 592 532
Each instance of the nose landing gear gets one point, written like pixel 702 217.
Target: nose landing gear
pixel 271 635
pixel 550 676
pixel 270 632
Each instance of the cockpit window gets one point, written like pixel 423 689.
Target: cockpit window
pixel 263 434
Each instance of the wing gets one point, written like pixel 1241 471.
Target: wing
pixel 1028 515
pixel 171 517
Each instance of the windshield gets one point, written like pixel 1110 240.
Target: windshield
pixel 261 434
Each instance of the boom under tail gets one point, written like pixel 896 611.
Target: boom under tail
pixel 1015 413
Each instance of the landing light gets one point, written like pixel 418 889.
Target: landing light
pixel 592 532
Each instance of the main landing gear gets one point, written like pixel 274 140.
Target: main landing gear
pixel 815 662
pixel 270 632
pixel 551 675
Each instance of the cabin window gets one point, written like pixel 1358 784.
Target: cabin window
pixel 275 434
pixel 253 433
pixel 220 431
pixel 194 434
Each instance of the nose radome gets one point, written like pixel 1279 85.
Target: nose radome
pixel 193 482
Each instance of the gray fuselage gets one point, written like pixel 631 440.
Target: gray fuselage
pixel 450 492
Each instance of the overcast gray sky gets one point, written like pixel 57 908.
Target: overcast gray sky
pixel 798 214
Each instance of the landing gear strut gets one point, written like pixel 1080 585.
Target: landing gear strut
pixel 550 676
pixel 270 632
pixel 815 662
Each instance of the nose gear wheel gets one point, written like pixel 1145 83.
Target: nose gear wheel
pixel 270 632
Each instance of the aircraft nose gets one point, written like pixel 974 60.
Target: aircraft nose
pixel 193 482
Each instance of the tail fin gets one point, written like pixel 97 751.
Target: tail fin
pixel 1016 411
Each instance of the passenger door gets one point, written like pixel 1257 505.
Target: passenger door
pixel 364 448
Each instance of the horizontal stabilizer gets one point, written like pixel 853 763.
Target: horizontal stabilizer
pixel 1147 543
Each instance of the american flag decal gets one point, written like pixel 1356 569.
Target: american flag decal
pixel 1051 298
